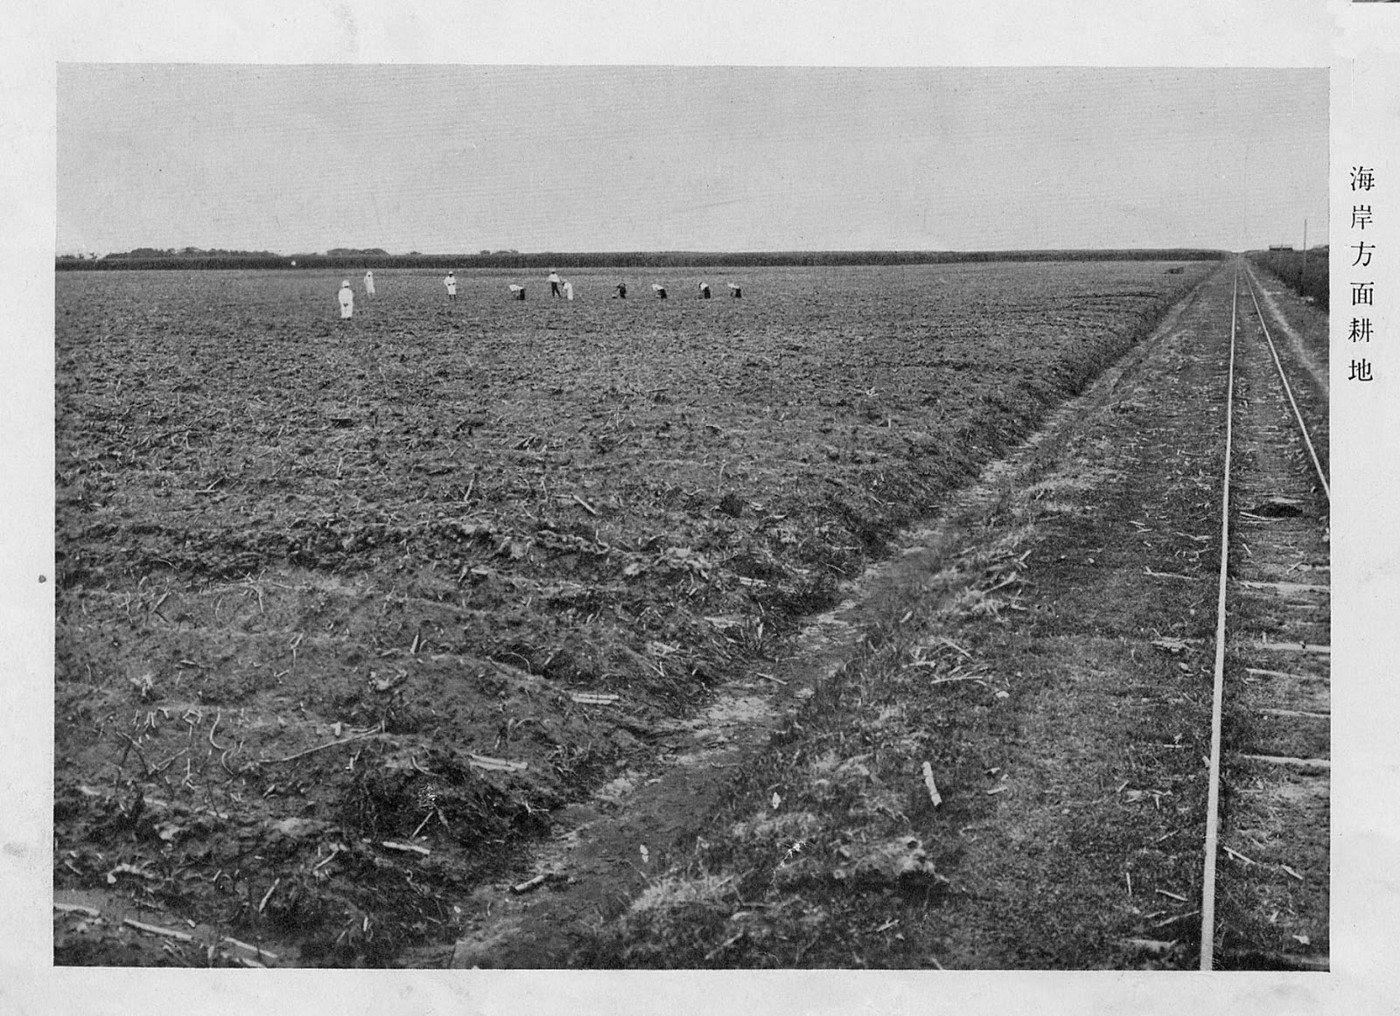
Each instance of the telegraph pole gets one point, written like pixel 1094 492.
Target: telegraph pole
pixel 1303 272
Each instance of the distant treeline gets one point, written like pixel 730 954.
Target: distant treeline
pixel 1288 266
pixel 144 258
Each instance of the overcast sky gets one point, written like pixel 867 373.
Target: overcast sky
pixel 459 159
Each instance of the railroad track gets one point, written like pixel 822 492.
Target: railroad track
pixel 1266 879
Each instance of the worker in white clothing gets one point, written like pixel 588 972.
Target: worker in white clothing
pixel 451 283
pixel 704 291
pixel 369 283
pixel 659 290
pixel 554 284
pixel 517 292
pixel 347 299
pixel 568 290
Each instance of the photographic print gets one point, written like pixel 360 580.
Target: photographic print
pixel 558 517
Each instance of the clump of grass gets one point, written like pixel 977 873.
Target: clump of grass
pixel 673 892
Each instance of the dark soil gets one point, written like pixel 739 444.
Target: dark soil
pixel 350 614
pixel 1046 649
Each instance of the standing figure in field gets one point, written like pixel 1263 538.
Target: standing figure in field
pixel 369 284
pixel 735 291
pixel 554 283
pixel 704 291
pixel 659 290
pixel 620 291
pixel 517 292
pixel 451 283
pixel 568 290
pixel 347 299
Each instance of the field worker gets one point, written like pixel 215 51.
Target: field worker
pixel 554 283
pixel 568 290
pixel 369 283
pixel 347 299
pixel 451 283
pixel 517 292
pixel 734 291
pixel 659 290
pixel 620 291
pixel 704 291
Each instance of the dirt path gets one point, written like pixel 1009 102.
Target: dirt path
pixel 1044 645
pixel 1310 352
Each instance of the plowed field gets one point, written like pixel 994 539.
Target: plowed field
pixel 345 609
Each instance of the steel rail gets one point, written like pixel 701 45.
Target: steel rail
pixel 1288 390
pixel 1213 797
pixel 1212 840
